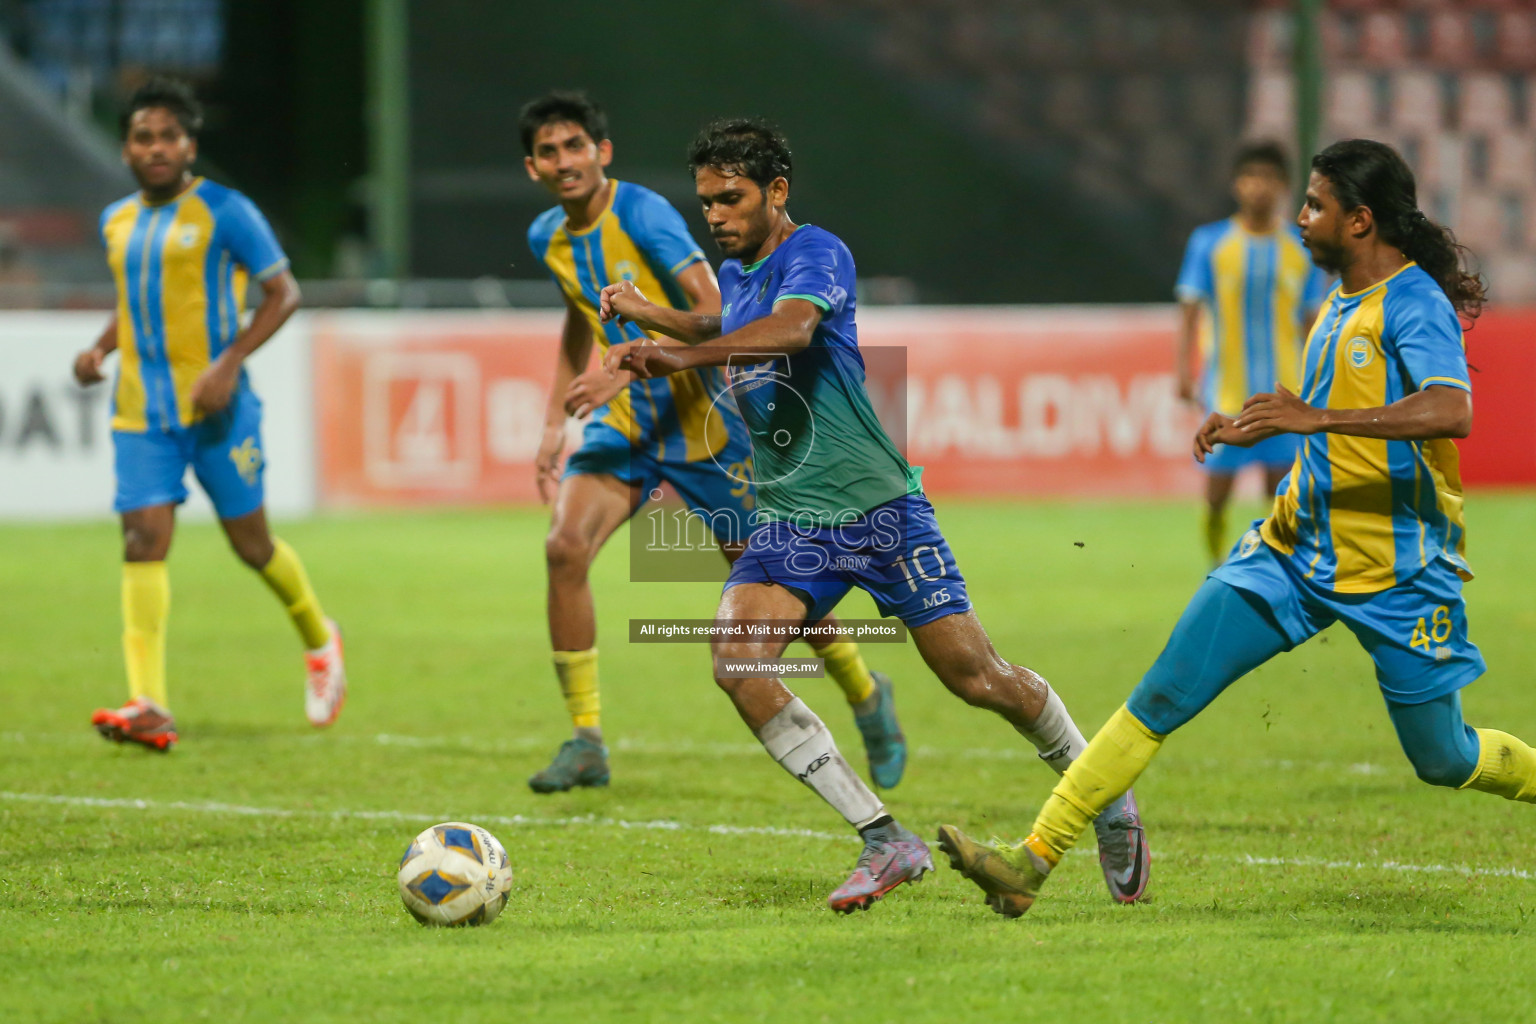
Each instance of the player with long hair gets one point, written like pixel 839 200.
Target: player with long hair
pixel 1366 530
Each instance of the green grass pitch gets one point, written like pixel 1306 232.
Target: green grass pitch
pixel 1301 873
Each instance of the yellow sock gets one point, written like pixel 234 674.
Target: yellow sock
pixel 146 603
pixel 285 575
pixel 1506 766
pixel 1111 764
pixel 846 667
pixel 578 683
pixel 1216 535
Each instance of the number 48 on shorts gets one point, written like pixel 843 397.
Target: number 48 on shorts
pixel 1438 630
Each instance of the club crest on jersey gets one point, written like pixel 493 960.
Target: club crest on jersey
pixel 189 235
pixel 626 269
pixel 1249 544
pixel 1361 352
pixel 763 291
pixel 247 459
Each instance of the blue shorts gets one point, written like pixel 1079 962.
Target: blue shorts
pixel 1278 452
pixel 1415 631
pixel 894 552
pixel 719 490
pixel 224 452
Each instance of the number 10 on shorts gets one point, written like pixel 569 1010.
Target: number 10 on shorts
pixel 914 563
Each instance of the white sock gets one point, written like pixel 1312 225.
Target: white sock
pixel 799 741
pixel 1054 734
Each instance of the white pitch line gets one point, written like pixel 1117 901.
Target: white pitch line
pixel 668 748
pixel 666 825
pixel 1387 865
pixel 515 820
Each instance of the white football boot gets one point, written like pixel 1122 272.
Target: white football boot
pixel 326 690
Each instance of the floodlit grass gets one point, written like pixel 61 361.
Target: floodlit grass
pixel 1301 872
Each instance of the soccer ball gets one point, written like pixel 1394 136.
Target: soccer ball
pixel 454 874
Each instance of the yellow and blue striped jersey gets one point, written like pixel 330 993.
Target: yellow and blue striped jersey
pixel 1357 514
pixel 638 237
pixel 181 269
pixel 1256 290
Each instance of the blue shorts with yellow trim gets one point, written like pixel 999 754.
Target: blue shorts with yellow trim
pixel 1415 631
pixel 1278 452
pixel 224 452
pixel 719 490
pixel 894 552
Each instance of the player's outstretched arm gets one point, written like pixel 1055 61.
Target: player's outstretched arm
pixel 214 386
pixel 623 302
pixel 1440 410
pixel 88 363
pixel 784 332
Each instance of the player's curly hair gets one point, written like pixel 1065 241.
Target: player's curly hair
pixel 748 146
pixel 561 106
pixel 1371 174
pixel 170 94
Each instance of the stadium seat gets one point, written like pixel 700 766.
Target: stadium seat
pixel 1271 104
pixel 1450 39
pixel 1269 40
pixel 1383 40
pixel 1512 160
pixel 1484 103
pixel 1350 102
pixel 1517 40
pixel 1416 101
pixel 1478 219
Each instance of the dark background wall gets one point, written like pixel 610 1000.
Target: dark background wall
pixel 1040 154
pixel 919 190
pixel 286 120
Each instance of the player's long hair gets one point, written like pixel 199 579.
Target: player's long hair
pixel 1371 174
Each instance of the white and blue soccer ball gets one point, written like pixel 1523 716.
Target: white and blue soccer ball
pixel 454 874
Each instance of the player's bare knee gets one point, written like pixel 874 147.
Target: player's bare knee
pixel 566 554
pixel 255 552
pixel 735 650
pixel 143 543
pixel 728 684
pixel 977 686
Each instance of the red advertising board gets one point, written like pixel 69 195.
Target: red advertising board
pixel 1501 347
pixel 431 408
pixel 1060 401
pixel 1026 402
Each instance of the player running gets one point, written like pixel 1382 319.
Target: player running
pixel 1245 289
pixel 838 505
pixel 1367 529
pixel 681 430
pixel 181 250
